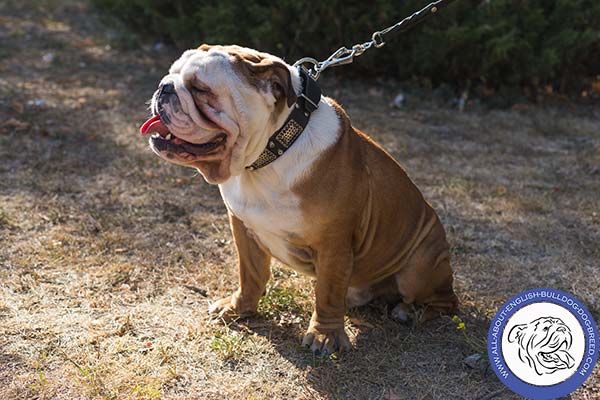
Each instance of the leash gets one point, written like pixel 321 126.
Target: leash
pixel 344 56
pixel 310 97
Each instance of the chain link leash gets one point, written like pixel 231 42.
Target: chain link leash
pixel 344 55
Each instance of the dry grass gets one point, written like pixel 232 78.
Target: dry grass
pixel 99 237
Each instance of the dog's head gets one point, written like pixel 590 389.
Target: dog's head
pixel 217 107
pixel 544 344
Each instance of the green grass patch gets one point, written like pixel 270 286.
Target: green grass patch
pixel 279 303
pixel 229 345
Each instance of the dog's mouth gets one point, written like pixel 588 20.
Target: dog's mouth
pixel 164 140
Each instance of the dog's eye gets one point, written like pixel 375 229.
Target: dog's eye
pixel 200 90
pixel 546 329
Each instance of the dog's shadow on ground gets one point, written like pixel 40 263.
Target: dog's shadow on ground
pixel 392 359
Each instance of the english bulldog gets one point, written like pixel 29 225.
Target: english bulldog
pixel 544 344
pixel 301 184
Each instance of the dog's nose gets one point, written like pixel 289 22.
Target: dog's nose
pixel 167 88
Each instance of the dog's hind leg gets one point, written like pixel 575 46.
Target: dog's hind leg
pixel 429 287
pixel 385 291
pixel 359 296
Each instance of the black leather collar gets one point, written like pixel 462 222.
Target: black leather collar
pixel 284 137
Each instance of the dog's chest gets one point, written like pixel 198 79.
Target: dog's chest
pixel 273 217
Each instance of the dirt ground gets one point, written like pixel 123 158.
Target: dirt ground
pixel 104 249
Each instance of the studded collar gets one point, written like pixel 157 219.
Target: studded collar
pixel 284 137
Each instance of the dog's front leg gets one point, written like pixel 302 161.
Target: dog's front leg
pixel 326 332
pixel 254 272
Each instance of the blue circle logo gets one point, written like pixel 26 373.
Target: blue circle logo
pixel 542 343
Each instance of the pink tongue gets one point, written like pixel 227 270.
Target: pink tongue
pixel 154 124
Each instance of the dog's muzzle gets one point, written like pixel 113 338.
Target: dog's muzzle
pixel 166 94
pixel 163 139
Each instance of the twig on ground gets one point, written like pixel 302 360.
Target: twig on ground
pixel 195 289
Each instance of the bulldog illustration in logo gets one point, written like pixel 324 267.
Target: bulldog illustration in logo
pixel 544 344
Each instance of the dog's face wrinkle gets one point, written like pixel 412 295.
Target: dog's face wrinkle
pixel 200 102
pixel 203 96
pixel 175 104
pixel 204 102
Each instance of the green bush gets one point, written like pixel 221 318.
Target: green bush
pixel 494 43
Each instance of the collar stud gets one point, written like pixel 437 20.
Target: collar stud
pixel 283 138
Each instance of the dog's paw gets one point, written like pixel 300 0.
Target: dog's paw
pixel 224 309
pixel 402 313
pixel 327 342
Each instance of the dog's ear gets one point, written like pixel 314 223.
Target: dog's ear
pixel 260 70
pixel 205 47
pixel 516 332
pixel 281 83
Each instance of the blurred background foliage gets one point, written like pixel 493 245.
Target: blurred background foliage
pixel 495 45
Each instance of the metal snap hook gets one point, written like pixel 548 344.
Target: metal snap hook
pixel 314 71
pixel 377 40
